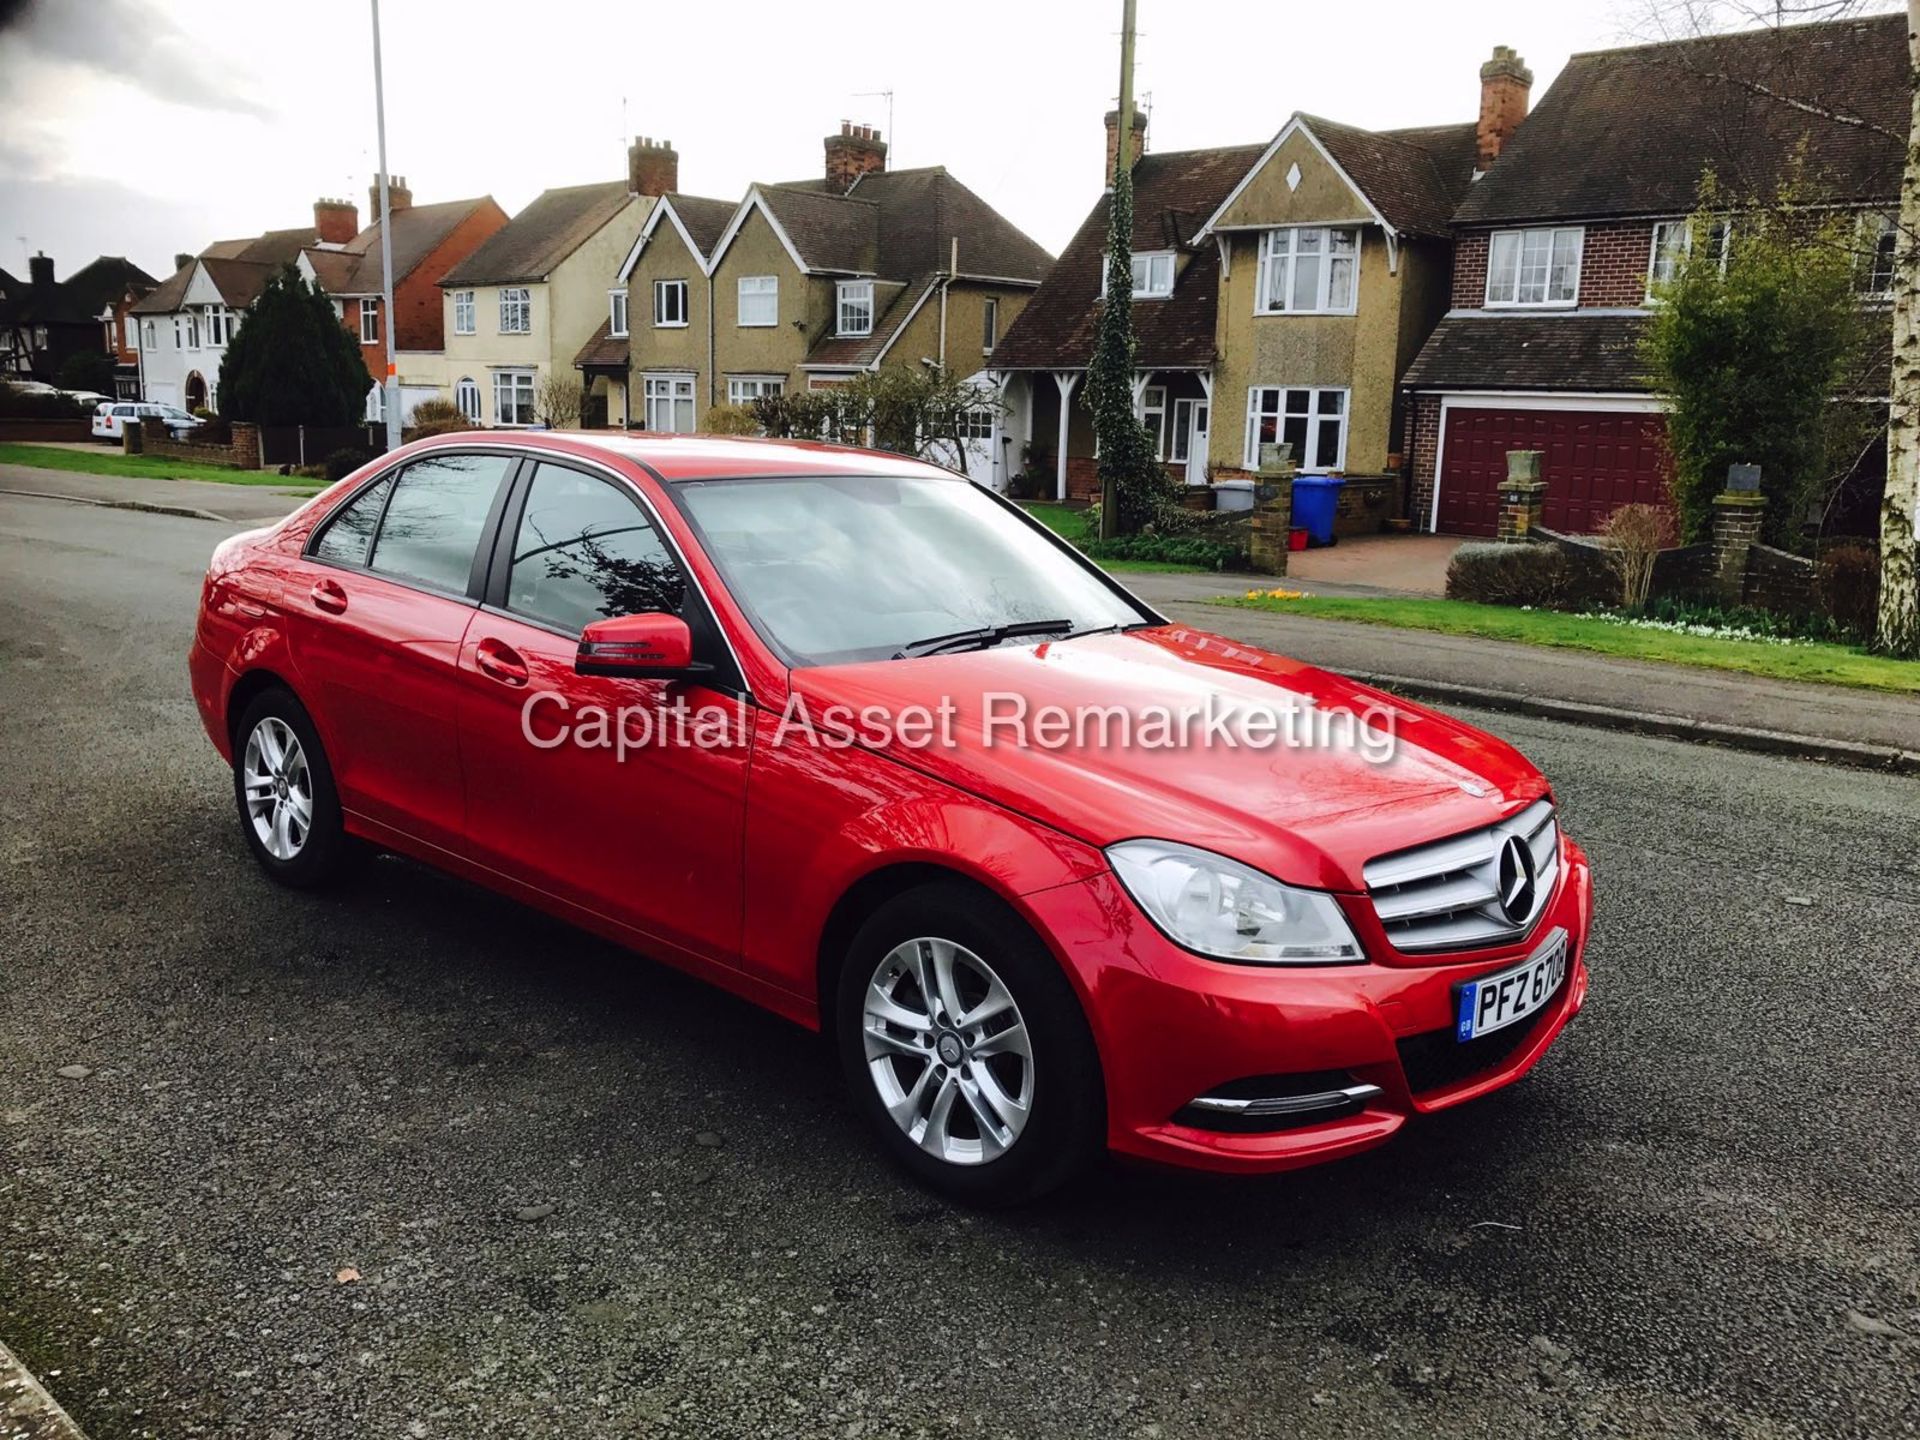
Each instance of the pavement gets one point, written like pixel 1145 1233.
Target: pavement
pixel 199 499
pixel 300 1185
pixel 1374 565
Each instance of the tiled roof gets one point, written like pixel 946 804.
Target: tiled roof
pixel 167 295
pixel 1573 350
pixel 418 231
pixel 705 219
pixel 856 351
pixel 1174 193
pixel 1411 176
pixel 534 242
pixel 333 269
pixel 1629 132
pixel 80 297
pixel 603 349
pixel 830 232
pixel 239 281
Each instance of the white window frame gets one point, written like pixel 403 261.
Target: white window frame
pixel 375 412
pixel 763 289
pixel 1515 297
pixel 617 314
pixel 662 289
pixel 1313 415
pixel 662 396
pixel 1872 227
pixel 1663 248
pixel 745 389
pixel 466 398
pixel 193 330
pixel 463 312
pixel 179 332
pixel 1285 248
pixel 1158 281
pixel 149 336
pixel 989 324
pixel 1153 401
pixel 516 310
pixel 853 307
pixel 369 310
pixel 508 381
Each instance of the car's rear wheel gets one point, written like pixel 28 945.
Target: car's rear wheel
pixel 967 1049
pixel 283 786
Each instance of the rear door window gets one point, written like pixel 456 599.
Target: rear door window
pixel 435 517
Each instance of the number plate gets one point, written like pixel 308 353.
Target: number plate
pixel 1507 997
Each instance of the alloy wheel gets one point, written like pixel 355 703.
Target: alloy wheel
pixel 279 788
pixel 948 1051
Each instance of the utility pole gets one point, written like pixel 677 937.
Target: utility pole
pixel 389 383
pixel 1123 162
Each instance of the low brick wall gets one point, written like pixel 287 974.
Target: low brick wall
pixel 1684 571
pixel 1778 581
pixel 1364 504
pixel 26 430
pixel 242 454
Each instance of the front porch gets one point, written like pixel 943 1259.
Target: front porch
pixel 1045 433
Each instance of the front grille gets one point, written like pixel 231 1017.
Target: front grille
pixel 1446 895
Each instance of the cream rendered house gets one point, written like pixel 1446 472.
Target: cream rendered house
pixel 522 306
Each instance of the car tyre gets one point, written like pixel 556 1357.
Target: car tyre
pixel 283 788
pixel 1014 1105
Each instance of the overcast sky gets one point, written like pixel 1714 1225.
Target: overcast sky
pixel 144 128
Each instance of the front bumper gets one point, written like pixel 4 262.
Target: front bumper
pixel 1172 1026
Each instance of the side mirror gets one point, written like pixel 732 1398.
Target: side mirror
pixel 639 647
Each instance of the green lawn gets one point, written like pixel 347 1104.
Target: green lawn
pixel 1822 664
pixel 107 461
pixel 1072 526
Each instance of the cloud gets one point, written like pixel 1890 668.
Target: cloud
pixel 125 41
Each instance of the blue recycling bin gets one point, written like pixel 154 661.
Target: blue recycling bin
pixel 1315 498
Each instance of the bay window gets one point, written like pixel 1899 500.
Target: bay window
pixel 669 404
pixel 1308 270
pixel 1534 267
pixel 513 397
pixel 1312 420
pixel 745 389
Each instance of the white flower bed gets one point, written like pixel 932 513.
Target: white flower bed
pixel 1710 632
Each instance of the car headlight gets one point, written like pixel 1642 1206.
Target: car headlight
pixel 1229 911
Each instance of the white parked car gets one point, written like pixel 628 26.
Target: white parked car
pixel 111 418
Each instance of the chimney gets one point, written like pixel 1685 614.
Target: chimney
pixel 653 167
pixel 399 197
pixel 1504 84
pixel 1113 143
pixel 335 221
pixel 40 271
pixel 855 151
pixel 182 260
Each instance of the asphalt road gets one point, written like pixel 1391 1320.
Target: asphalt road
pixel 1699 1217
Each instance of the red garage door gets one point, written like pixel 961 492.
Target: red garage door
pixel 1593 460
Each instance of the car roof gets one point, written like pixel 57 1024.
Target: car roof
pixel 714 457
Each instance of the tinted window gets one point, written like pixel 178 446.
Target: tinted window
pixel 434 520
pixel 585 551
pixel 348 534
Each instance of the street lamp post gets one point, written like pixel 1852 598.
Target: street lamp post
pixel 389 382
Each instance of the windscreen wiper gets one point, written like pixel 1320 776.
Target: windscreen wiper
pixel 982 638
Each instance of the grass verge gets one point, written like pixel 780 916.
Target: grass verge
pixel 1817 663
pixel 141 467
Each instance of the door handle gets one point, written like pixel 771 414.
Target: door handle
pixel 501 662
pixel 328 596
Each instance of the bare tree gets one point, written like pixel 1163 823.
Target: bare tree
pixel 560 400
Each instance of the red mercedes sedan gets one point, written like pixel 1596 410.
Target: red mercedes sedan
pixel 862 742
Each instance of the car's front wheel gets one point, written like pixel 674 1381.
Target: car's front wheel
pixel 967 1049
pixel 283 786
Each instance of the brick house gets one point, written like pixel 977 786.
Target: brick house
pixel 1557 244
pixel 808 283
pixel 428 241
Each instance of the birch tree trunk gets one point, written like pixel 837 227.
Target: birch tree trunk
pixel 1898 631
